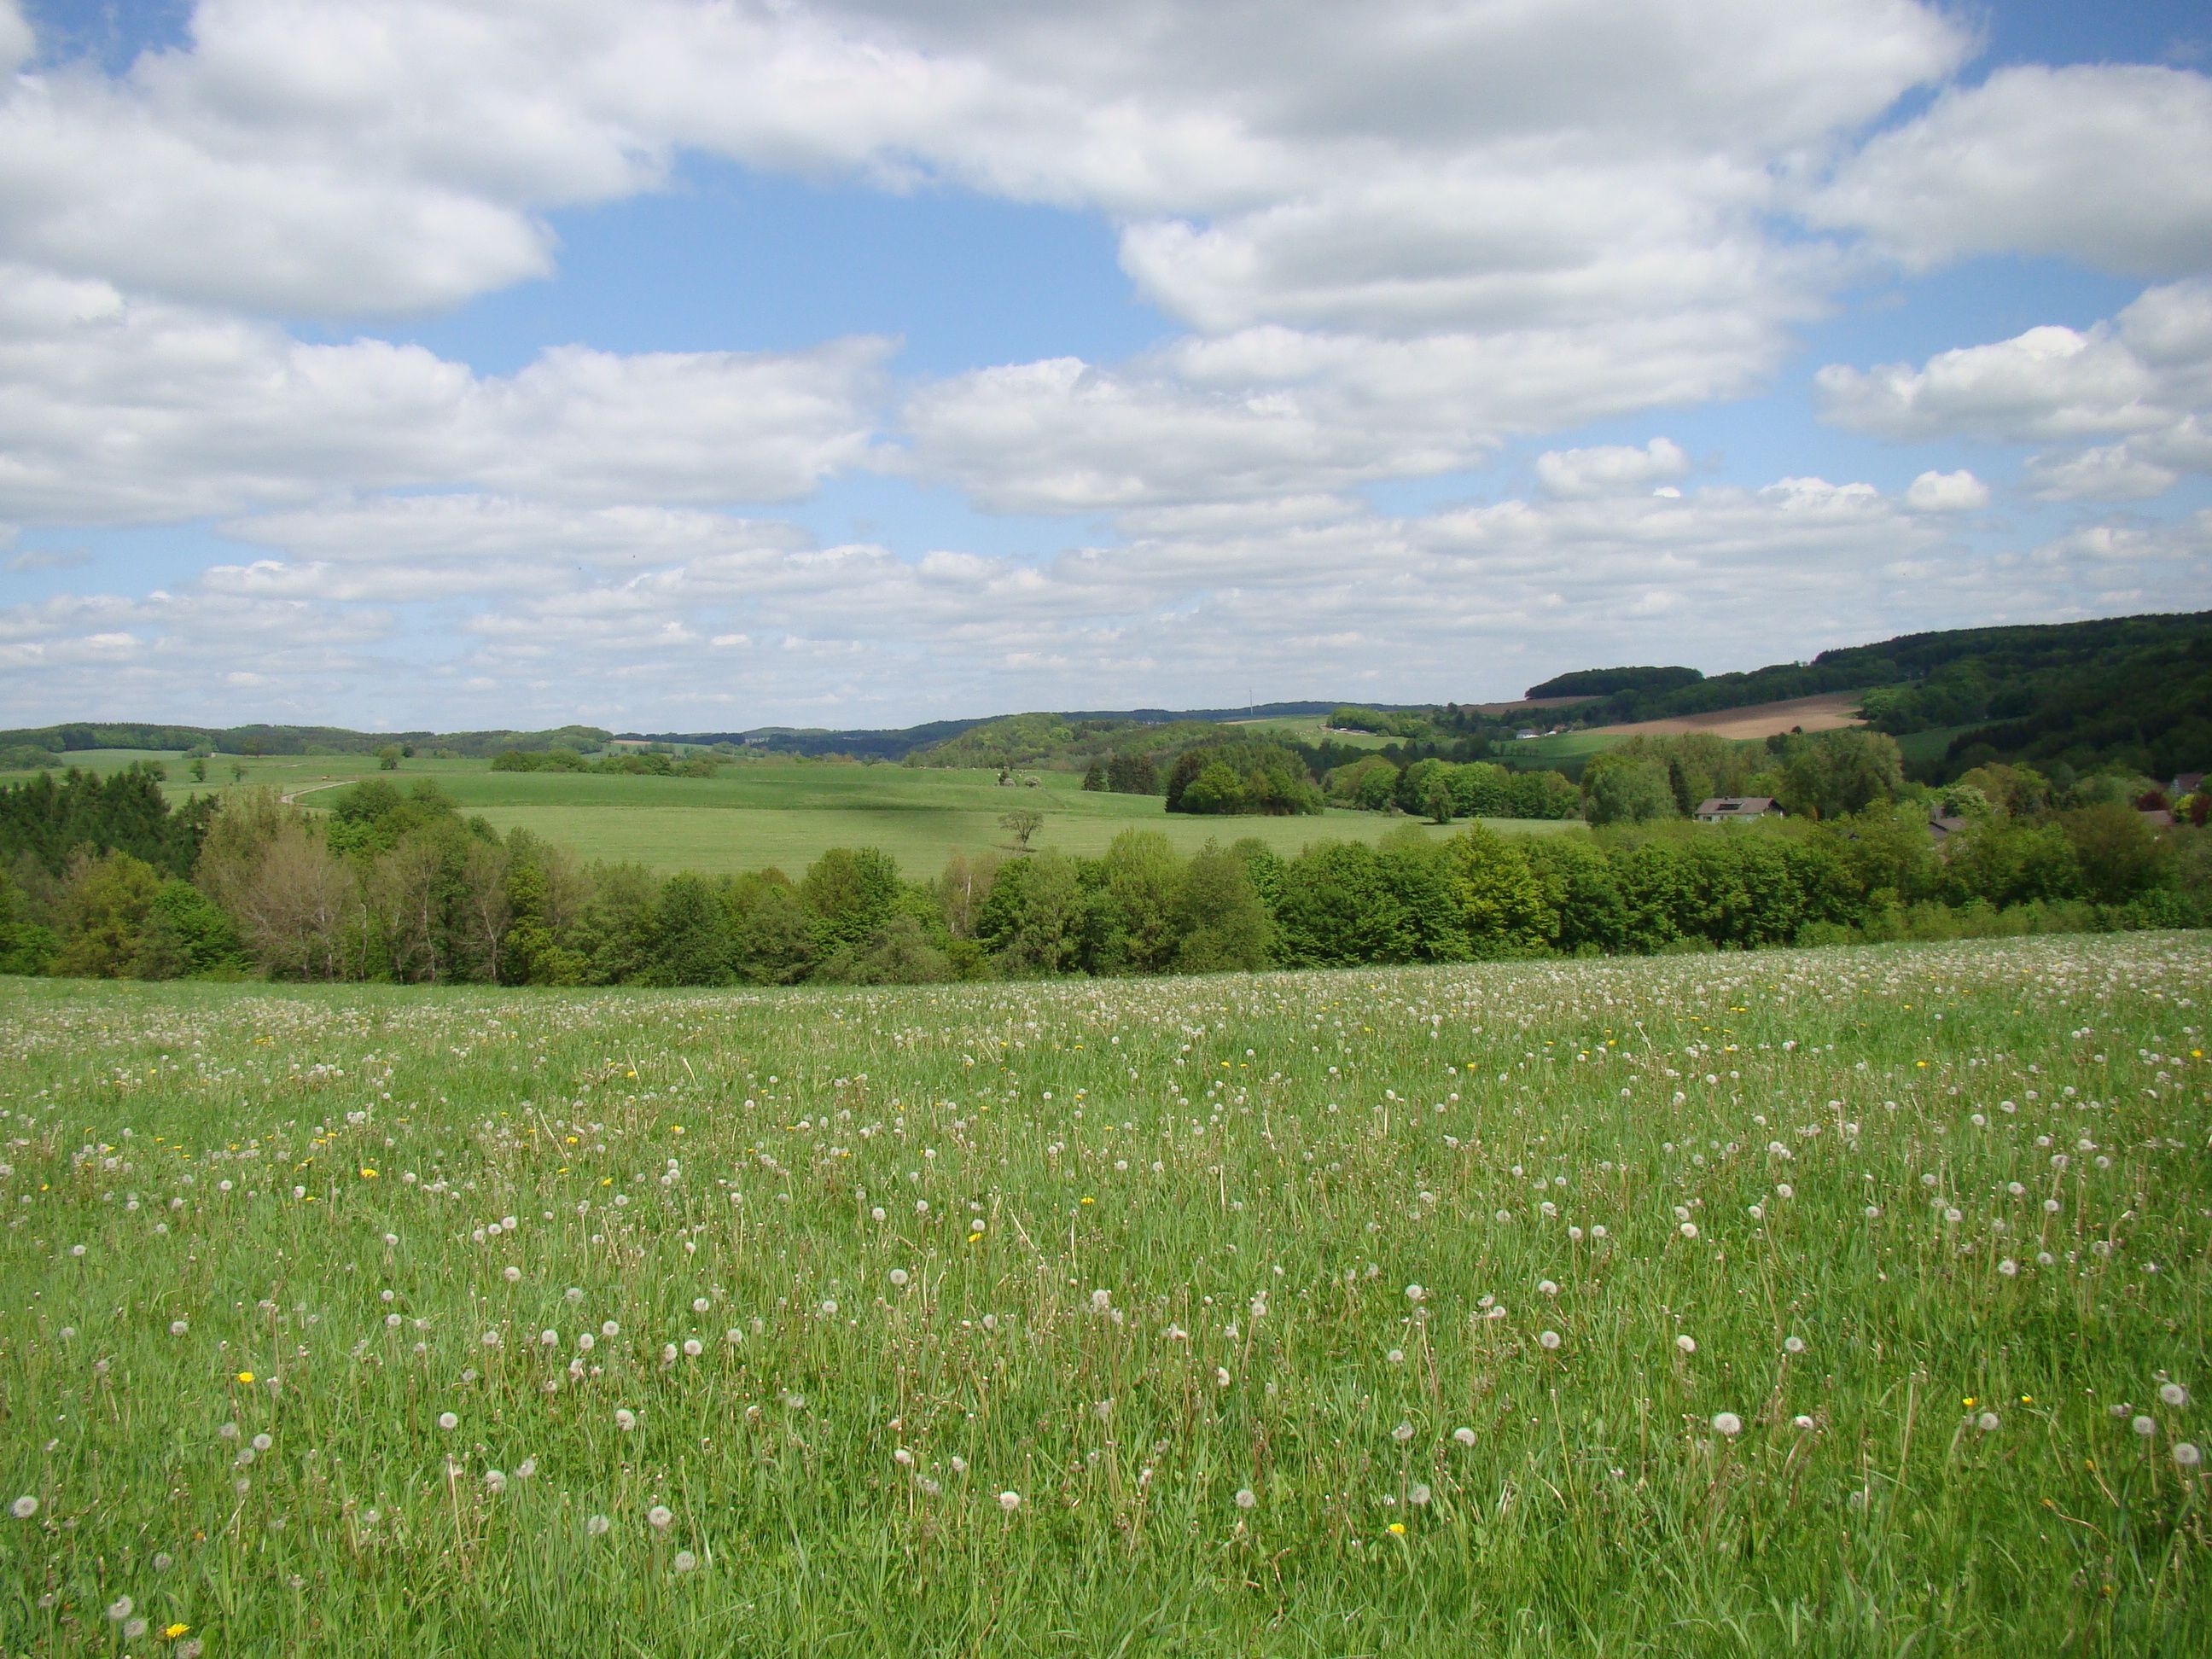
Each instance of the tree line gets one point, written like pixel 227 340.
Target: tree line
pixel 102 879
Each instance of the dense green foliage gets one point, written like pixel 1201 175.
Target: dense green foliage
pixel 630 763
pixel 45 820
pixel 2125 691
pixel 1828 1305
pixel 1245 775
pixel 1612 682
pixel 75 735
pixel 397 883
pixel 1068 742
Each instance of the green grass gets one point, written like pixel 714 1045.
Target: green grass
pixel 785 815
pixel 1567 746
pixel 1922 747
pixel 1125 1250
pixel 1314 729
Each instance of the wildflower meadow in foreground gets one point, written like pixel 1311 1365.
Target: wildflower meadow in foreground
pixel 1830 1302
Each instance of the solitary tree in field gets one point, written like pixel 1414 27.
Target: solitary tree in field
pixel 388 757
pixel 1021 824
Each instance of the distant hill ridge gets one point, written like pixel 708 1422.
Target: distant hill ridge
pixel 2136 690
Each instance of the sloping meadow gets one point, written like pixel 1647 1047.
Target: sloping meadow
pixel 1824 1302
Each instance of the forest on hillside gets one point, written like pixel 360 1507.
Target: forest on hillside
pixel 2126 691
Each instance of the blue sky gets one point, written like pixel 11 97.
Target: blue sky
pixel 695 366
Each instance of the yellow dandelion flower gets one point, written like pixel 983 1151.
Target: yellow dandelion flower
pixel 245 1376
pixel 1397 1528
pixel 171 1633
pixel 367 1174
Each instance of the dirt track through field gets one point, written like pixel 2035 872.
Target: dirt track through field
pixel 1827 712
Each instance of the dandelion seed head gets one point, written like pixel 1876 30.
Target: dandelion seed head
pixel 1728 1423
pixel 1010 1501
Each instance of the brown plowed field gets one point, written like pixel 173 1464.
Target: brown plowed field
pixel 1825 713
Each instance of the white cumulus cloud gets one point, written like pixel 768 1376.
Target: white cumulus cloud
pixel 115 410
pixel 1610 469
pixel 1947 492
pixel 2109 164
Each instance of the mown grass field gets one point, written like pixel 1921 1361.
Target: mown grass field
pixel 786 813
pixel 1925 748
pixel 1566 752
pixel 1832 1303
pixel 1312 728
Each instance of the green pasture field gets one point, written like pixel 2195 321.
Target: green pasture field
pixel 785 813
pixel 1920 747
pixel 1569 747
pixel 1828 1302
pixel 1312 728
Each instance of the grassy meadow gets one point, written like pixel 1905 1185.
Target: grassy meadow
pixel 1309 728
pixel 779 812
pixel 1817 1302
